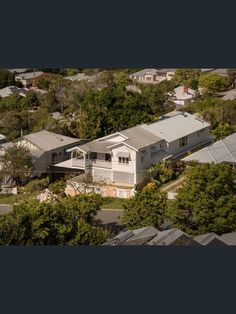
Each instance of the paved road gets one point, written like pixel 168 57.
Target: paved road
pixel 111 219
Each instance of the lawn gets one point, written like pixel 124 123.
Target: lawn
pixel 113 203
pixel 11 199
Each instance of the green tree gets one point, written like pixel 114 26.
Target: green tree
pixel 211 83
pixel 66 222
pixel 17 163
pixel 206 202
pixel 145 208
pixel 6 78
pixel 187 77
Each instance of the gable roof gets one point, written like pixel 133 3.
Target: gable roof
pixel 174 236
pixel 210 238
pixel 221 151
pixel 46 140
pixel 229 238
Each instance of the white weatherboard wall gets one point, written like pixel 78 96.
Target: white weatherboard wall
pixel 192 140
pixel 124 173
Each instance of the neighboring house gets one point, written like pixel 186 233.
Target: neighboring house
pixel 27 79
pixel 221 151
pixel 182 95
pixel 82 77
pixel 172 237
pixel 10 90
pixel 121 159
pixel 153 76
pixel 46 148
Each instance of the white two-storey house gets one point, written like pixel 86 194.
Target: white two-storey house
pixel 119 161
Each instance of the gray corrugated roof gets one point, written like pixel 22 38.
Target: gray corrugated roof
pixel 176 127
pixel 46 140
pixel 96 146
pixel 221 151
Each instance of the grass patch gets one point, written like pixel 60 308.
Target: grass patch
pixel 113 202
pixel 11 199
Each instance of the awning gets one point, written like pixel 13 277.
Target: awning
pixel 123 154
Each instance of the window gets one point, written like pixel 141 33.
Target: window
pixel 123 160
pixel 142 158
pixel 107 157
pixel 183 141
pixel 93 155
pixel 161 145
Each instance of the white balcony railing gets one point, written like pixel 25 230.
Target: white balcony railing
pixel 80 163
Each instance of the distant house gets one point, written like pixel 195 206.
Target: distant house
pixel 17 71
pixel 27 79
pixel 11 90
pixel 46 148
pixel 221 151
pixel 171 237
pixel 82 77
pixel 153 76
pixel 182 96
pixel 119 161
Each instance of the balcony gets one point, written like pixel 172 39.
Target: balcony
pixel 80 163
pixel 101 163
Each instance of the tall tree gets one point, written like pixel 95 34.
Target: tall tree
pixel 207 200
pixel 145 208
pixel 17 163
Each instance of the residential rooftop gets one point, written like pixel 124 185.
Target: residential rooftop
pixel 29 75
pixel 174 236
pixel 221 151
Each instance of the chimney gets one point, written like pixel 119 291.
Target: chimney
pixel 185 90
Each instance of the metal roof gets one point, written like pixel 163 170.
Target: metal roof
pixel 176 127
pixel 46 140
pixel 221 151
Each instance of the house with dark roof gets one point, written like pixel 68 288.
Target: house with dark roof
pixel 121 159
pixel 172 237
pixel 46 148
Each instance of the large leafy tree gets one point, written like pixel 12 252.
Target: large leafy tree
pixel 206 202
pixel 146 208
pixel 211 83
pixel 187 77
pixel 17 163
pixel 65 222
